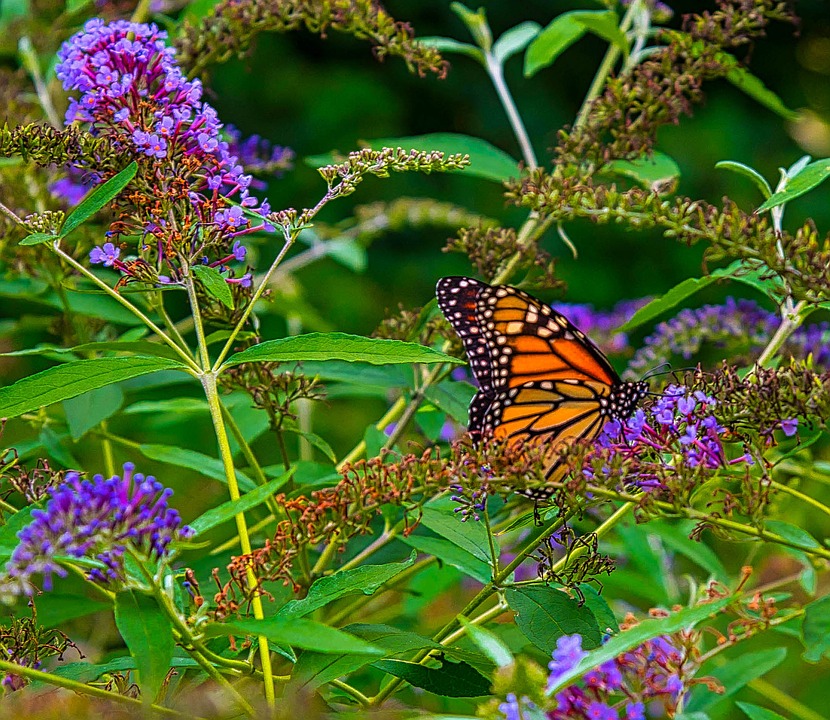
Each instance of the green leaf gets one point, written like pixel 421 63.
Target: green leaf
pixel 676 295
pixel 299 633
pixel 203 464
pixel 339 346
pixel 637 635
pixel 748 172
pixel 86 411
pixel 98 198
pixel 449 45
pixel 815 630
pixel 453 398
pixel 793 534
pixel 214 284
pixel 489 643
pixel 734 675
pixel 451 554
pixel 86 672
pixel 486 161
pixel 38 238
pixel 440 517
pixel 149 638
pixel 67 381
pixel 348 253
pixel 515 40
pixel 450 680
pixel 811 176
pixel 365 579
pixel 12 526
pixel 230 509
pixel 565 30
pixel 173 406
pixel 313 439
pixel 676 538
pixel 744 80
pixel 544 614
pixel 756 712
pixel 648 171
pixel 54 609
pixel 606 620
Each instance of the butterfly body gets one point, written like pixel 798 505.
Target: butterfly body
pixel 541 380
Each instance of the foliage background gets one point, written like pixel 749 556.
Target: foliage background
pixel 318 95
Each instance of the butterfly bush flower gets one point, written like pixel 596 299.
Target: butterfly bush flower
pixel 679 429
pixel 191 195
pixel 736 321
pixel 96 519
pixel 658 671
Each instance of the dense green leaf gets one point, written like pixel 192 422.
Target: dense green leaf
pixel 12 526
pixel 359 373
pixel 606 621
pixel 544 614
pixel 214 284
pixel 440 517
pixel 230 509
pixel 486 161
pixel 746 171
pixel 314 669
pixel 365 579
pixel 98 198
pixel 451 554
pixel 299 633
pixel 448 45
pixel 171 406
pixel 54 608
pixel 450 680
pixel 87 672
pixel 67 381
pixel 203 464
pixel 734 675
pixel 339 346
pixel 676 295
pixel 312 439
pixel 453 398
pixel 815 630
pixel 489 643
pixel 565 30
pixel 148 636
pixel 38 238
pixel 86 411
pixel 515 40
pixel 811 176
pixel 793 534
pixel 648 171
pixel 756 712
pixel 741 78
pixel 637 635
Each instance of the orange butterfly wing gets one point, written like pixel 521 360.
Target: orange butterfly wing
pixel 540 378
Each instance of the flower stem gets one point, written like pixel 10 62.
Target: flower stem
pixel 821 507
pixel 496 72
pixel 129 306
pixel 211 392
pixel 605 68
pixel 84 689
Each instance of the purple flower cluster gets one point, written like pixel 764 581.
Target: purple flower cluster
pixel 602 326
pixel 133 93
pixel 678 430
pixel 736 321
pixel 620 688
pixel 94 519
pixel 258 155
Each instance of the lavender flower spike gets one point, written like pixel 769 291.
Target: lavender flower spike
pixel 94 519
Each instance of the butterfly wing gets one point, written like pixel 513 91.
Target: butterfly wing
pixel 541 379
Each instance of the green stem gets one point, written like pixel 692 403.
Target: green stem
pixel 289 241
pixel 212 394
pixel 498 609
pixel 537 536
pixel 392 414
pixel 821 507
pixel 794 708
pixel 223 682
pixel 106 450
pixel 605 68
pixel 349 690
pixel 790 321
pixel 496 72
pixel 141 12
pixel 129 306
pixel 84 689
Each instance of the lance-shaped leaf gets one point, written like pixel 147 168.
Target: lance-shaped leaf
pixel 339 346
pixel 214 284
pixel 98 198
pixel 72 379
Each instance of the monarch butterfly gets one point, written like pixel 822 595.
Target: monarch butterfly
pixel 540 379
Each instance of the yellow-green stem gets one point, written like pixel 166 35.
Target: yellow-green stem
pixel 84 689
pixel 212 395
pixel 821 507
